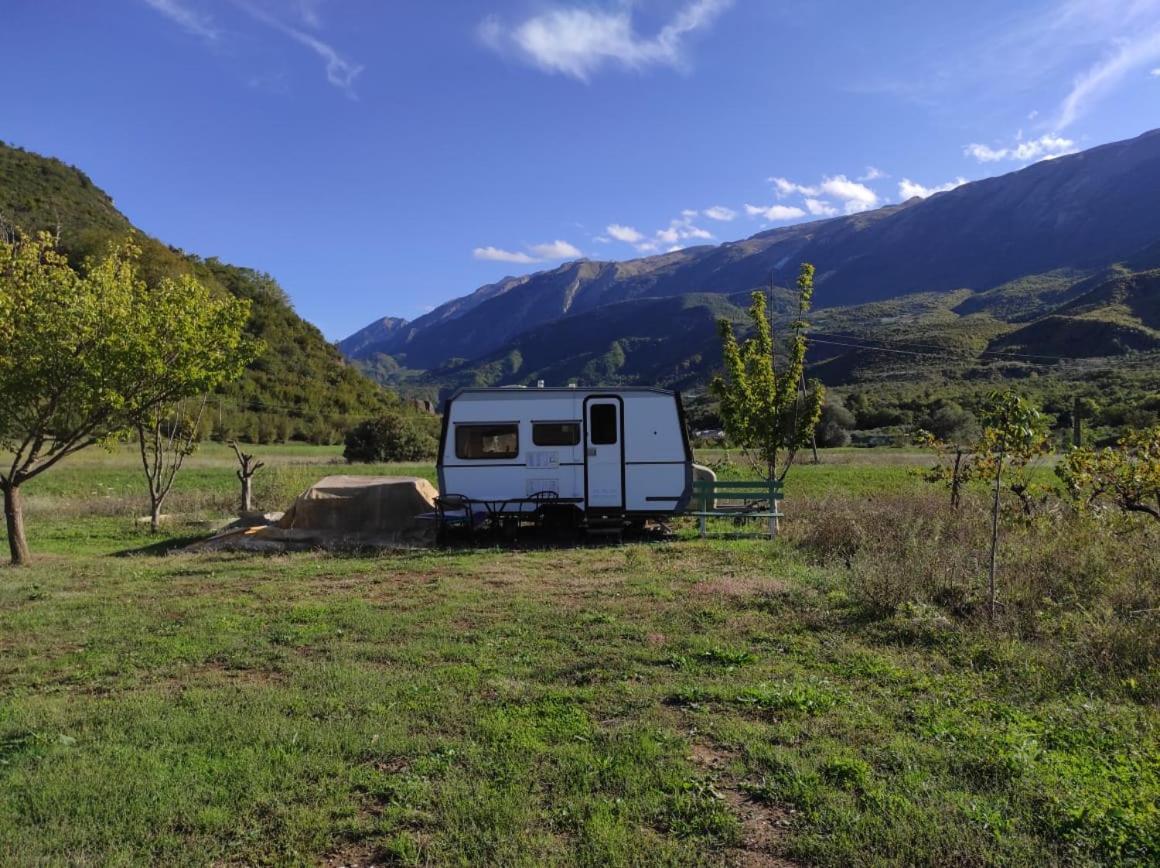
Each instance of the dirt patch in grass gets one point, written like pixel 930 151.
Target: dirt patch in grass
pixel 356 855
pixel 762 826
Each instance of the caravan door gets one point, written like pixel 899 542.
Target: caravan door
pixel 604 453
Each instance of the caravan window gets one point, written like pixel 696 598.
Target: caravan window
pixel 487 441
pixel 602 424
pixel 555 433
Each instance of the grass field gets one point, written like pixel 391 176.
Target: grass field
pixel 685 702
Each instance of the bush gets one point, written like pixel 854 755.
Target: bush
pixel 393 437
pixel 1082 584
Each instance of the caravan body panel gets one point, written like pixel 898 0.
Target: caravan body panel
pixel 617 450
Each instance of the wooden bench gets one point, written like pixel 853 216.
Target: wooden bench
pixel 731 499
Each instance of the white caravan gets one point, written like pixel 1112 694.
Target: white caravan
pixel 614 455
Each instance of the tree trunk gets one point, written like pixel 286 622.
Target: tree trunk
pixel 155 516
pixel 14 519
pixel 247 494
pixel 994 542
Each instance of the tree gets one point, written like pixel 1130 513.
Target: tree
pixel 835 424
pixel 770 415
pixel 954 464
pixel 1129 474
pixel 391 437
pixel 1014 434
pixel 166 435
pixel 950 423
pixel 247 467
pixel 84 352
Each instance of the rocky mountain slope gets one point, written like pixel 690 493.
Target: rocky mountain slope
pixel 1019 245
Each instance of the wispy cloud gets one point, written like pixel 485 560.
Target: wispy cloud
pixel 720 212
pixel 1155 72
pixel 548 252
pixel 556 250
pixel 680 229
pixel 340 71
pixel 853 195
pixel 873 173
pixel 908 189
pixel 1104 76
pixel 775 213
pixel 1044 147
pixel 495 254
pixel 579 40
pixel 188 19
pixel 820 208
pixel 627 234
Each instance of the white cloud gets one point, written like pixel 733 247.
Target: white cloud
pixel 624 233
pixel 186 18
pixel 775 212
pixel 1155 72
pixel 495 254
pixel 908 189
pixel 820 208
pixel 854 196
pixel 1045 146
pixel 547 252
pixel 1131 54
pixel 720 212
pixel 556 250
pixel 873 173
pixel 679 229
pixel 340 71
pixel 578 41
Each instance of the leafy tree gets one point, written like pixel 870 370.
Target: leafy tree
pixel 1014 433
pixel 87 351
pixel 392 437
pixel 769 415
pixel 167 435
pixel 835 424
pixel 951 423
pixel 1128 475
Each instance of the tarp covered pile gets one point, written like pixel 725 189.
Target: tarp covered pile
pixel 344 512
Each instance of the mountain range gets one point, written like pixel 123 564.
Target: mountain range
pixel 1054 259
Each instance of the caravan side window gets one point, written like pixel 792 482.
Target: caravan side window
pixel 487 441
pixel 555 433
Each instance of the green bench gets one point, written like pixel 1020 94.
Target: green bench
pixel 715 499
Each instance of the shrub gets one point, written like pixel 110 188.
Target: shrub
pixel 393 437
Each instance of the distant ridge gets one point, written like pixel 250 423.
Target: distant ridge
pixel 1058 221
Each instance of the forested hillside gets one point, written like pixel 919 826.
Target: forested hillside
pixel 300 388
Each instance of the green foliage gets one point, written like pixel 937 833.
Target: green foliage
pixel 301 388
pixel 89 352
pixel 767 414
pixel 1128 475
pixel 392 437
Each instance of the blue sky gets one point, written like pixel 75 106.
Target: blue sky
pixel 381 157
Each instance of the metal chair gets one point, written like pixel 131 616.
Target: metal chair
pixel 455 512
pixel 542 499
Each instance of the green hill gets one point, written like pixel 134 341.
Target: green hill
pixel 300 388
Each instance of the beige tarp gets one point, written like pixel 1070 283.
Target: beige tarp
pixel 345 511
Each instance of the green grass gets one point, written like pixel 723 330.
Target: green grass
pixel 692 702
pixel 529 707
